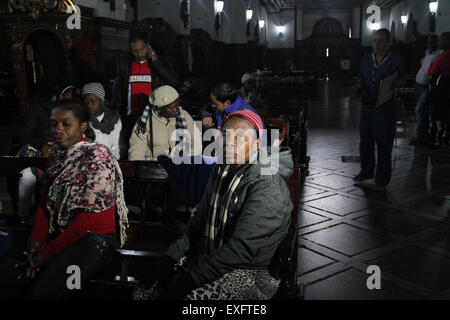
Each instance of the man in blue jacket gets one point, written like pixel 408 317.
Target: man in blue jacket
pixel 377 121
pixel 225 100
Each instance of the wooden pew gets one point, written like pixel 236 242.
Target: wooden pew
pixel 284 263
pixel 282 124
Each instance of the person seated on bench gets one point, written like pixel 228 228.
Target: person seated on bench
pixel 225 99
pixel 240 221
pixel 154 133
pixel 75 223
pixel 249 92
pixel 104 121
pixel 37 141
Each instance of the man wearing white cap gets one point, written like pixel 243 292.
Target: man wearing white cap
pixel 248 91
pixel 155 135
pixel 104 121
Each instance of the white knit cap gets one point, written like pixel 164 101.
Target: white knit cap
pixel 95 88
pixel 163 96
pixel 247 76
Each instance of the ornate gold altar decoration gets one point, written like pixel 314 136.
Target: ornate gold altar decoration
pixel 34 7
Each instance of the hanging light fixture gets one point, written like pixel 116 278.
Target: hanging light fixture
pixel 219 10
pixel 261 23
pixel 433 5
pixel 219 6
pixel 249 14
pixel 404 18
pixel 280 28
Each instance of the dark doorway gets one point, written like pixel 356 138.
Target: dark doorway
pixel 328 51
pixel 44 60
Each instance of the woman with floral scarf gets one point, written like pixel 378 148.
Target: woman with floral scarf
pixel 82 207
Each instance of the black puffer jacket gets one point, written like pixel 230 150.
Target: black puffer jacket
pixel 259 218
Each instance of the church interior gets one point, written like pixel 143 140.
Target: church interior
pixel 356 92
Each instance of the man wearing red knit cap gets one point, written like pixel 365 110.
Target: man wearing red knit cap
pixel 232 238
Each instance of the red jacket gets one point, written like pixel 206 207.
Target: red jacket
pixel 441 65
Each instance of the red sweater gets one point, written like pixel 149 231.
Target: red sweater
pixel 140 82
pixel 442 65
pixel 101 222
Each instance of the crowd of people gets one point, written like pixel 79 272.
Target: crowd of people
pixel 377 124
pixel 80 215
pixel 432 98
pixel 226 250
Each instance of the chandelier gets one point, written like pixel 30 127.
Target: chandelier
pixel 33 7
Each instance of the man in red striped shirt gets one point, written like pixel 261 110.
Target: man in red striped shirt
pixel 131 90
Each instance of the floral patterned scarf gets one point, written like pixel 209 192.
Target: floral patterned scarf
pixel 84 177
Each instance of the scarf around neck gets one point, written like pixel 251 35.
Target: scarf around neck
pixel 222 193
pixel 180 123
pixel 110 118
pixel 84 177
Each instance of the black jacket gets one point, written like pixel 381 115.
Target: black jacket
pixel 36 130
pixel 163 73
pixel 259 218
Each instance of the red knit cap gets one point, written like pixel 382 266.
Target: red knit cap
pixel 251 116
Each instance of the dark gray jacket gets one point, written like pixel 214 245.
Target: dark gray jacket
pixel 259 217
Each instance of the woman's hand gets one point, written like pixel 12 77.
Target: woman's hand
pixel 32 247
pixel 48 149
pixel 33 261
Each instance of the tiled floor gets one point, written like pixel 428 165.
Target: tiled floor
pixel 343 229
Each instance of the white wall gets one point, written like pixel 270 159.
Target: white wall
pixel 102 8
pixel 356 23
pixel 234 28
pixel 170 10
pixel 420 12
pixel 366 32
pixel 286 19
pixel 443 17
pixel 202 15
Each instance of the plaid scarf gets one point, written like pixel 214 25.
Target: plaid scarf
pixel 180 126
pixel 220 202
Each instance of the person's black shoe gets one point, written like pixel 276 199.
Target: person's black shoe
pixel 371 186
pixel 360 177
